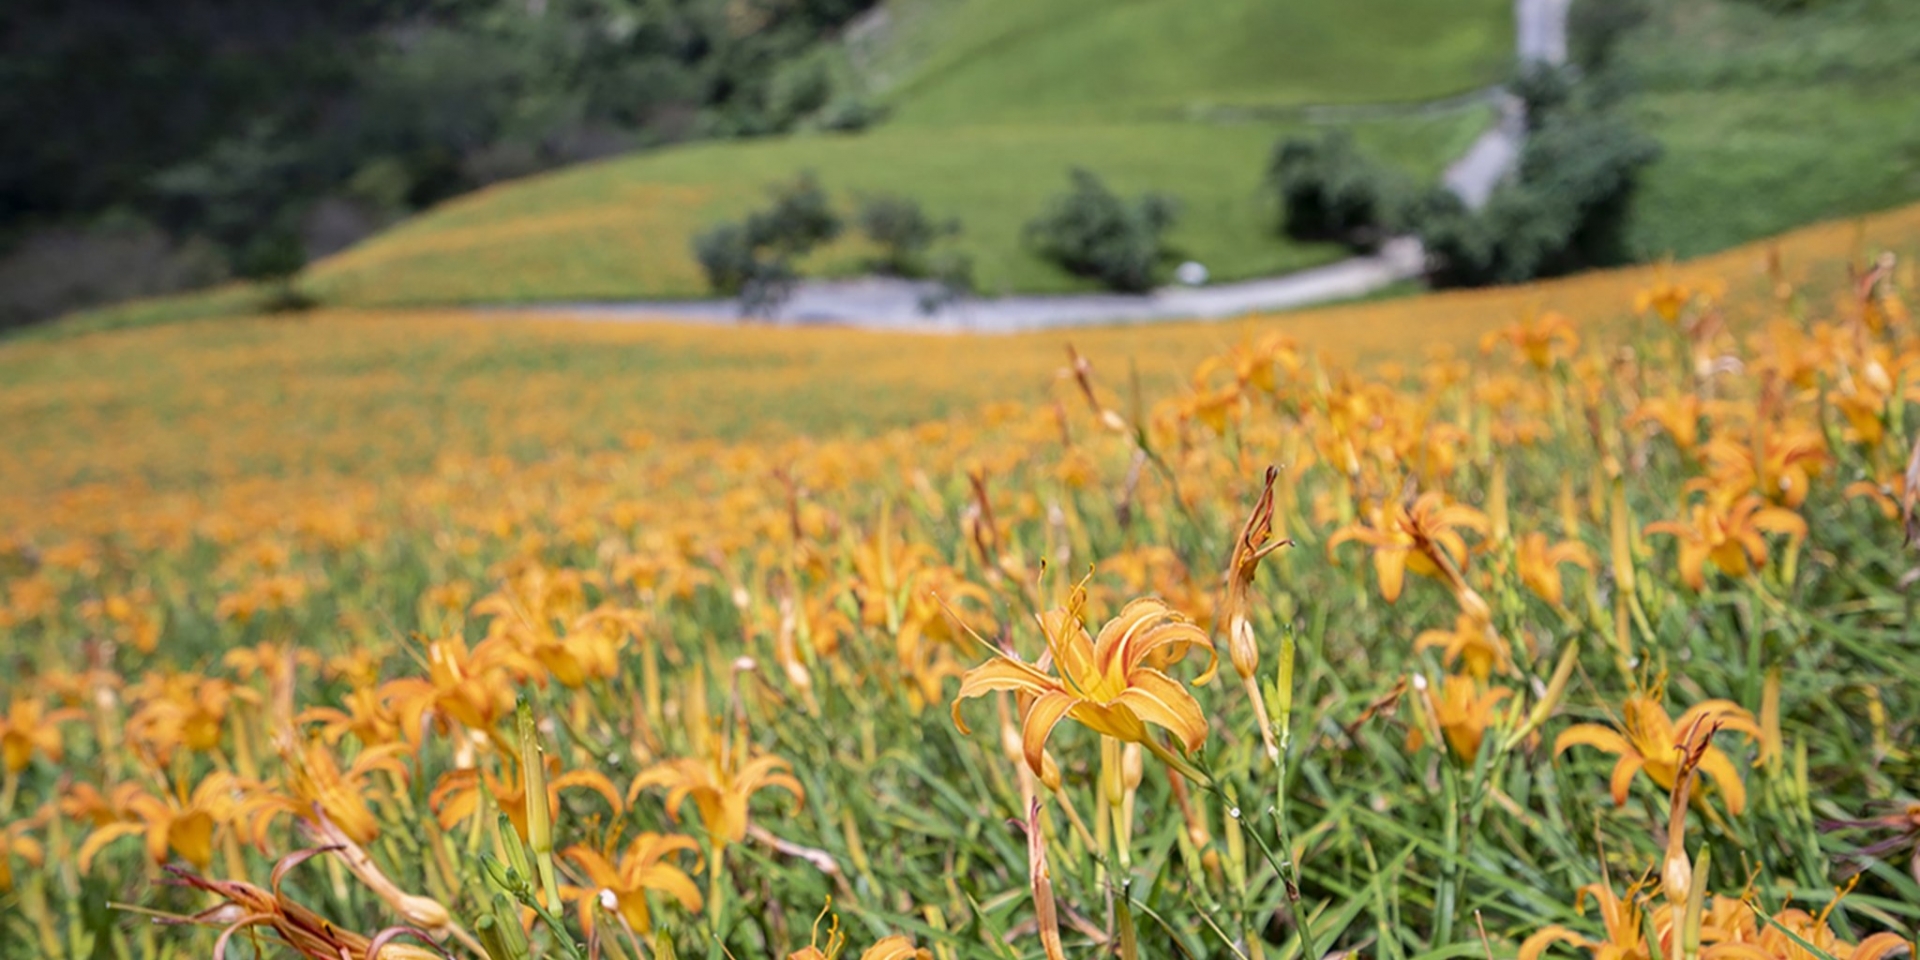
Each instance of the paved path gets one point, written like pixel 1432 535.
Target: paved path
pixel 1540 30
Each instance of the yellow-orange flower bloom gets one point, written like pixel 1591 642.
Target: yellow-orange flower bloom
pixel 28 727
pixel 1625 938
pixel 1419 537
pixel 14 842
pixel 184 825
pixel 720 786
pixel 1473 642
pixel 643 866
pixel 1463 712
pixel 1650 740
pixel 1538 564
pixel 1104 683
pixel 1729 536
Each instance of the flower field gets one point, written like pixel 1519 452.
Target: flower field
pixel 1560 621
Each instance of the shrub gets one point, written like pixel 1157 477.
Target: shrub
pixel 726 256
pixel 1565 208
pixel 1595 29
pixel 800 218
pixel 1091 232
pixel 903 232
pixel 1329 190
pixel 754 259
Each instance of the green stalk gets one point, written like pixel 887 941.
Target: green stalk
pixel 533 771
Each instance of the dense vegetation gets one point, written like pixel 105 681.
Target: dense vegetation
pixel 147 147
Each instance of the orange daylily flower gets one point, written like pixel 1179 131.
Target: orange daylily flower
pixel 1729 536
pixel 1104 683
pixel 1678 417
pixel 1542 339
pixel 1473 642
pixel 1625 936
pixel 28 727
pixel 642 867
pixel 472 689
pixel 1463 712
pixel 15 842
pixel 1650 740
pixel 185 824
pixel 315 779
pixel 456 797
pixel 1421 537
pixel 720 786
pixel 1538 564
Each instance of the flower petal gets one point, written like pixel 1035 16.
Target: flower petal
pixel 1160 700
pixel 1039 723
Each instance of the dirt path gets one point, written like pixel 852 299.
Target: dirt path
pixel 1540 33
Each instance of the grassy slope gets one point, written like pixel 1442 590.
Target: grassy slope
pixel 1770 121
pixel 218 399
pixel 620 229
pixel 985 133
pixel 997 60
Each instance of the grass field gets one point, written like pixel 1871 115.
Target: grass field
pixel 620 229
pixel 1769 121
pixel 325 636
pixel 953 63
pixel 340 393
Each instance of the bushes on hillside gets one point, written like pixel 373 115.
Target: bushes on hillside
pixel 753 259
pixel 1329 190
pixel 1090 231
pixel 1564 207
pixel 903 232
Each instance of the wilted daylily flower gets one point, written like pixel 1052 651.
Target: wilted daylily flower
pixel 1104 683
pixel 1656 743
pixel 1243 648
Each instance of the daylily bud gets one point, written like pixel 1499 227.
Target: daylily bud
pixel 1132 766
pixel 539 816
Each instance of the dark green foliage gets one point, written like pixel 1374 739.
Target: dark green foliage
pixel 1545 90
pixel 1329 190
pixel 726 255
pixel 800 218
pixel 233 120
pixel 1092 232
pixel 1565 208
pixel 753 260
pixel 1595 29
pixel 903 232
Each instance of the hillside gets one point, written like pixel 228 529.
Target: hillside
pixel 945 62
pixel 1770 119
pixel 983 126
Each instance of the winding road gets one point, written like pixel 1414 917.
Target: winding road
pixel 1540 32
